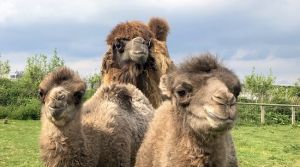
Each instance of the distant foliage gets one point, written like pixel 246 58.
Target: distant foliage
pixel 259 85
pixel 55 62
pixel 250 115
pixel 4 68
pixel 36 68
pixel 19 98
pixel 29 110
pixel 264 89
pixel 93 82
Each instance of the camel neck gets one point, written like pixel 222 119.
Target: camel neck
pixel 67 141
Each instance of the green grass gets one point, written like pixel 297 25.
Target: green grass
pixel 19 143
pixel 257 146
pixel 268 146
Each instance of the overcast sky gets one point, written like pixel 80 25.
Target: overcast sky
pixel 264 34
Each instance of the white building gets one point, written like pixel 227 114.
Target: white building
pixel 16 75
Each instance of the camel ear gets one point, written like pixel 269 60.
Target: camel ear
pixel 160 28
pixel 164 86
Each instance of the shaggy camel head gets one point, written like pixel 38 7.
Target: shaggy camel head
pixel 137 54
pixel 61 92
pixel 204 93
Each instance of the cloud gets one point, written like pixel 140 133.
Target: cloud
pixel 7 10
pixel 109 12
pixel 17 60
pixel 85 67
pixel 285 69
pixel 242 53
pixel 244 32
pixel 26 12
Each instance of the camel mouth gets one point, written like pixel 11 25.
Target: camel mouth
pixel 139 57
pixel 56 113
pixel 140 52
pixel 218 117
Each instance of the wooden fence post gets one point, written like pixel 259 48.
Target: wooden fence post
pixel 262 114
pixel 293 115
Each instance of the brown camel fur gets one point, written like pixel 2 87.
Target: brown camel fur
pixel 106 130
pixel 138 54
pixel 193 127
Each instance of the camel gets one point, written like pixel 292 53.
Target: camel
pixel 106 130
pixel 137 54
pixel 192 128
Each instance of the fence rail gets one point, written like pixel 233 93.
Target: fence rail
pixel 262 110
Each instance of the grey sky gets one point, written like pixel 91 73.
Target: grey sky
pixel 244 33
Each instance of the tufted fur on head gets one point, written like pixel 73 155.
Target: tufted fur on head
pixel 62 76
pixel 122 64
pixel 129 30
pixel 206 64
pixel 210 64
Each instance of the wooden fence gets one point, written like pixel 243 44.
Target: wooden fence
pixel 262 110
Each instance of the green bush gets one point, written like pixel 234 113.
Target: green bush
pixel 8 92
pixel 5 111
pixel 250 115
pixel 278 115
pixel 30 110
pixel 88 94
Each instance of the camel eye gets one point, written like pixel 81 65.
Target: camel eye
pixel 119 45
pixel 41 93
pixel 149 44
pixel 181 93
pixel 183 90
pixel 78 96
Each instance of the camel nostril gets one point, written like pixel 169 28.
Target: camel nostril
pixel 224 97
pixel 60 97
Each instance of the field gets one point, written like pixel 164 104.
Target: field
pixel 257 146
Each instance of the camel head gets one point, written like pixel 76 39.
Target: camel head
pixel 61 93
pixel 137 54
pixel 204 93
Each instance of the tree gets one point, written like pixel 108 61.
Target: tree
pixel 55 62
pixel 4 68
pixel 259 85
pixel 36 68
pixel 94 81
